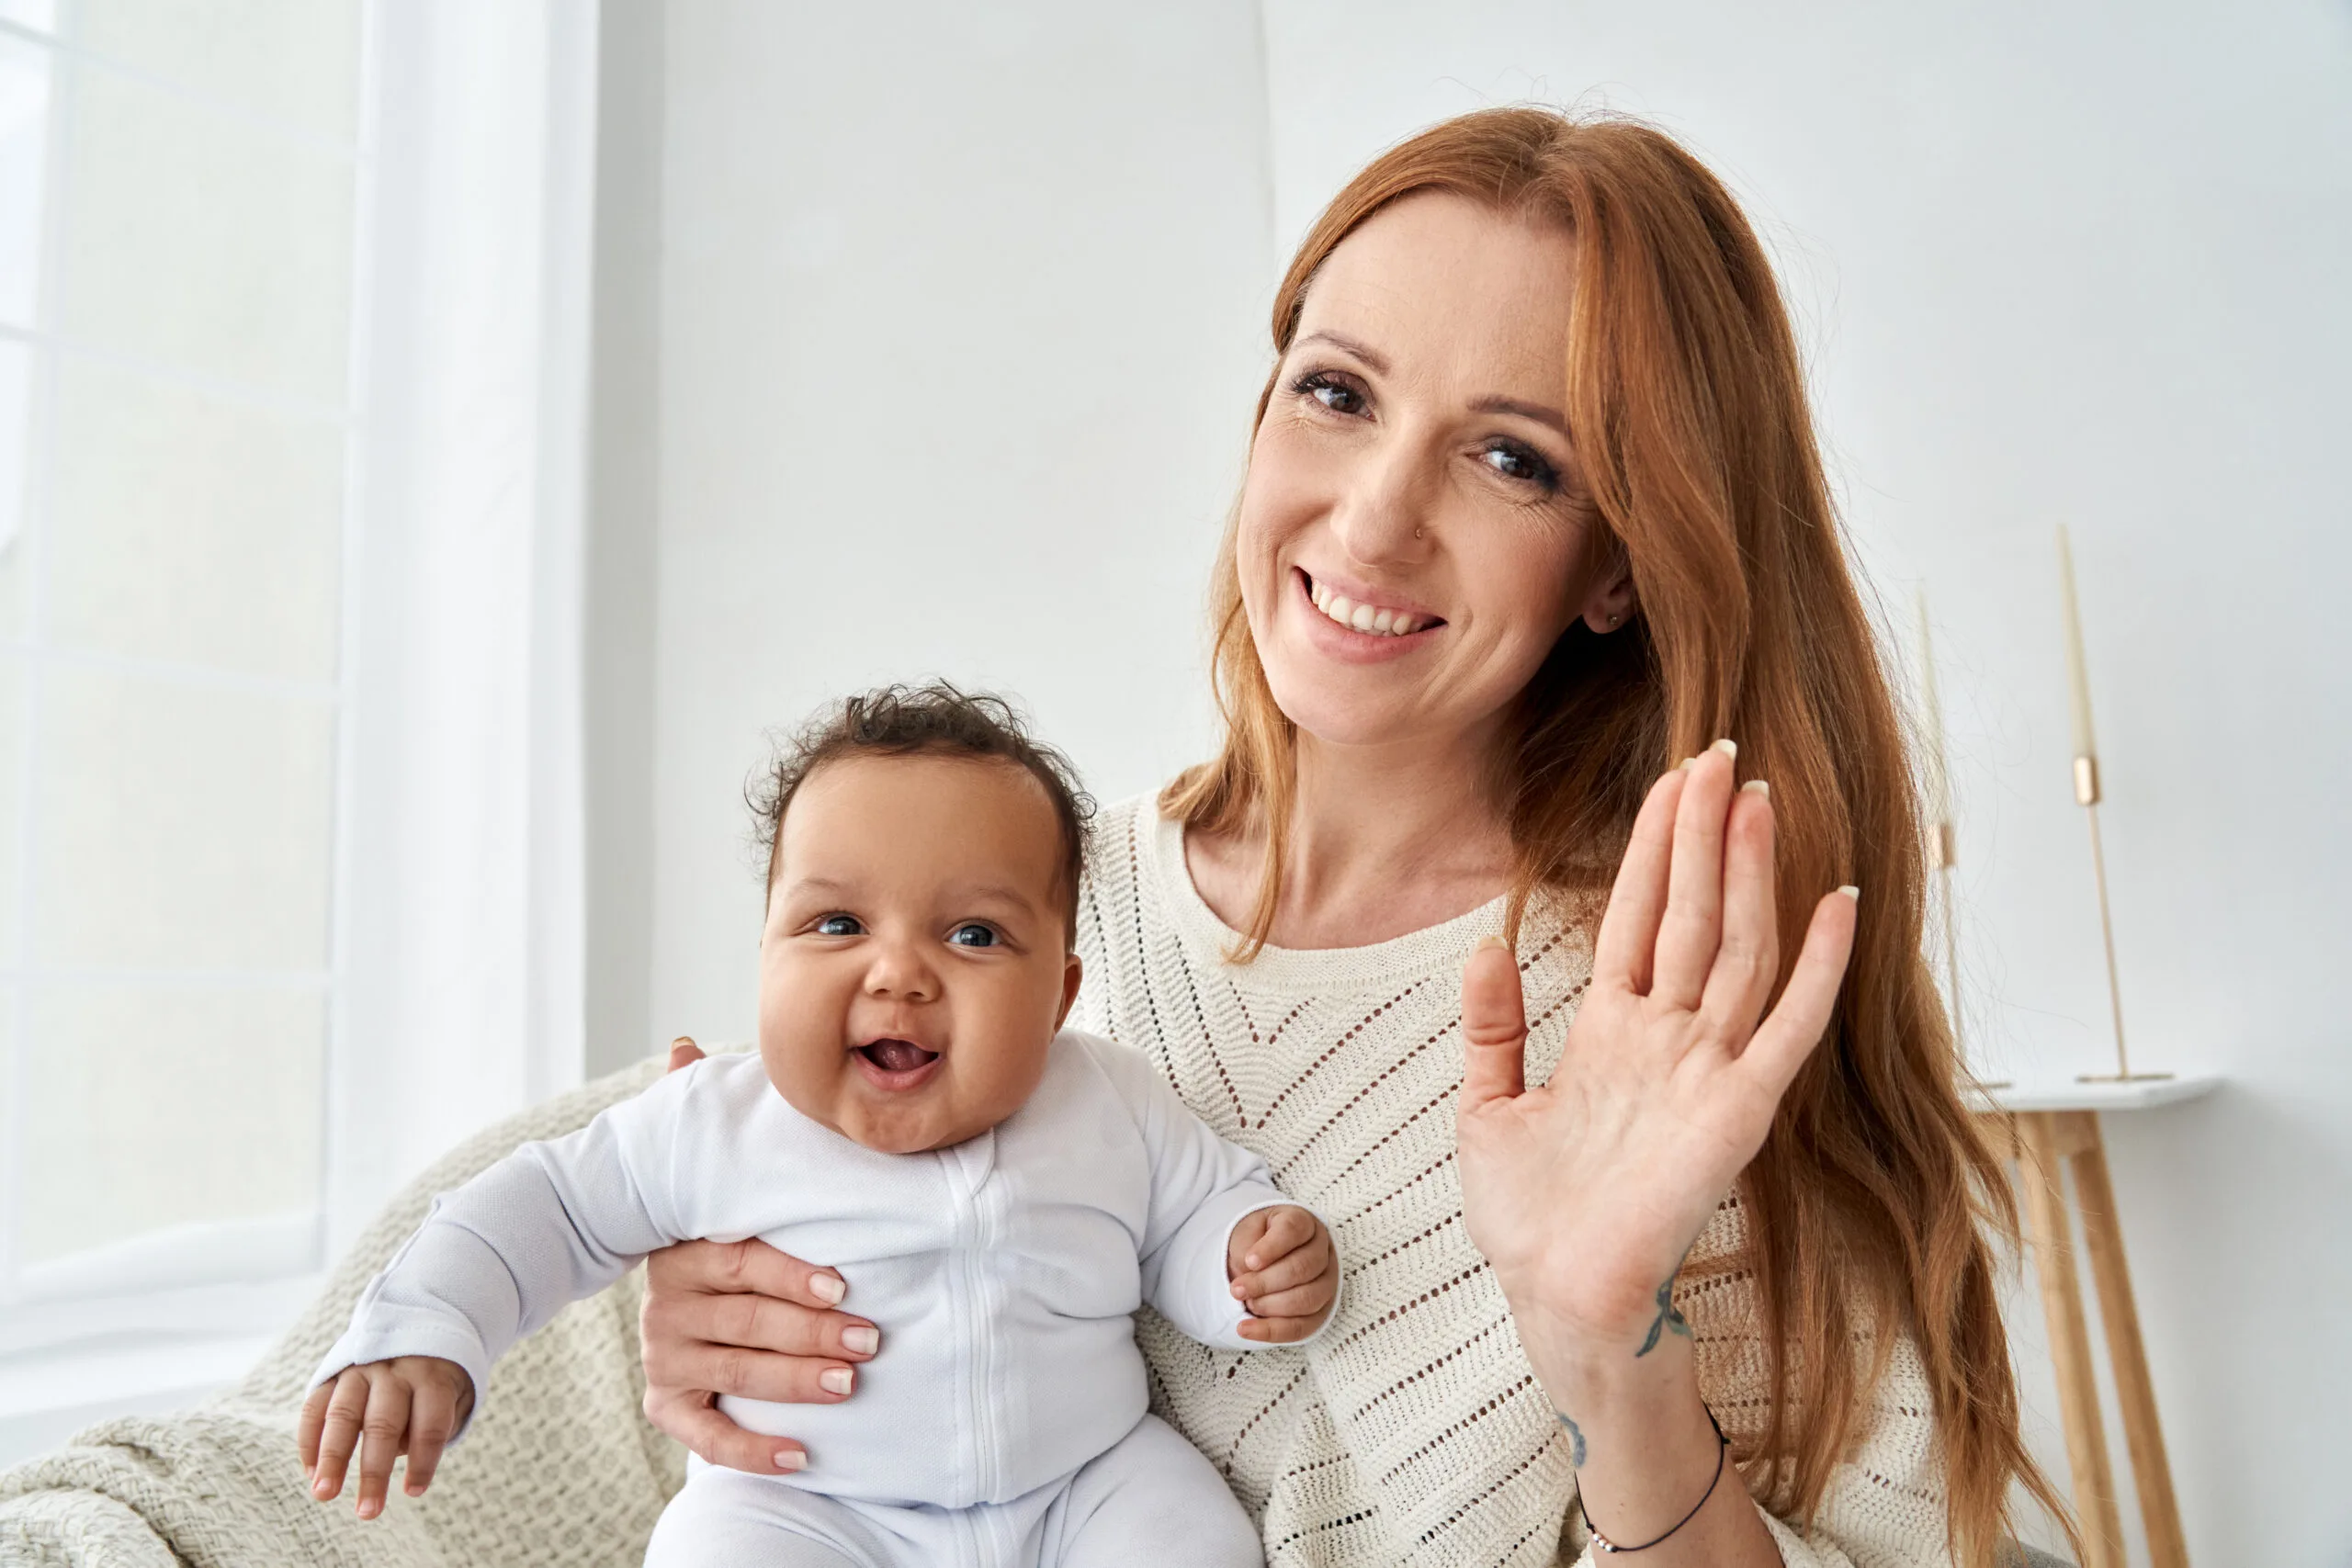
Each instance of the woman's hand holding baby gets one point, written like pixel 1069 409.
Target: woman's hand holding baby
pixel 1286 1271
pixel 411 1405
pixel 742 1318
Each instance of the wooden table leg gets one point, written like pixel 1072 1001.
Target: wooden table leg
pixel 2143 1438
pixel 2050 1231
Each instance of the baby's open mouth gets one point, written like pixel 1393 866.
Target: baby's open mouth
pixel 897 1055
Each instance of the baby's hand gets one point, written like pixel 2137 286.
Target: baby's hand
pixel 409 1404
pixel 1286 1271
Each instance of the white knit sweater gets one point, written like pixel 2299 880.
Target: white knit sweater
pixel 1414 1431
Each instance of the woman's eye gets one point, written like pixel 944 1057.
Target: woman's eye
pixel 1514 461
pixel 1335 395
pixel 839 925
pixel 972 934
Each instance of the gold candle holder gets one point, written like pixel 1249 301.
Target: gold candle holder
pixel 1943 851
pixel 2087 796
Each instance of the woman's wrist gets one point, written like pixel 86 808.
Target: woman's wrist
pixel 1649 1459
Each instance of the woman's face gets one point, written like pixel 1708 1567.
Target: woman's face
pixel 1412 538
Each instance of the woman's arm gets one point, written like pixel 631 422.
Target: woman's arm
pixel 742 1318
pixel 1585 1194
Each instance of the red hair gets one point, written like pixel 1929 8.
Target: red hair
pixel 1874 1199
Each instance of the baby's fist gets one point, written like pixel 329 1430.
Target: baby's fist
pixel 1286 1271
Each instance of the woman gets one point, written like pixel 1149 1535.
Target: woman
pixel 1535 511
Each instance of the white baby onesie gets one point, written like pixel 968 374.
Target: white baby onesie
pixel 1003 1421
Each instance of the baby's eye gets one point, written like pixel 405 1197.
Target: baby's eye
pixel 839 925
pixel 971 934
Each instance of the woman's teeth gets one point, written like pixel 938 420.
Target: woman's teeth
pixel 1364 617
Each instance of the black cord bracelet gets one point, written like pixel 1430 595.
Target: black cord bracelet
pixel 1722 1448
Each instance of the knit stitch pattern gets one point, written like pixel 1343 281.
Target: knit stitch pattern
pixel 1414 1432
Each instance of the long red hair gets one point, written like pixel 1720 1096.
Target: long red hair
pixel 1874 1201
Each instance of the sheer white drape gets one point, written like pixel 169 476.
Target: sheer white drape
pixel 462 921
pixel 446 217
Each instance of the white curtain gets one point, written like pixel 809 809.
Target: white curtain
pixel 461 893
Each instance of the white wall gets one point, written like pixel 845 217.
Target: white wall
pixel 2076 264
pixel 961 316
pixel 962 310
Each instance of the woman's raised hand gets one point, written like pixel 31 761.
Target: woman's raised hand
pixel 1585 1194
pixel 742 1318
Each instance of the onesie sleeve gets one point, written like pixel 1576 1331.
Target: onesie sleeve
pixel 1202 1186
pixel 548 1224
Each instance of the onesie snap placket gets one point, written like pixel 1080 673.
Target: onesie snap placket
pixel 969 1168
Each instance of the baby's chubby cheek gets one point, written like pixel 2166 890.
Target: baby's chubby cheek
pixel 805 1059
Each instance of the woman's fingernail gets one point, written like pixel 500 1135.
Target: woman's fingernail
pixel 1757 786
pixel 684 1039
pixel 1487 942
pixel 791 1458
pixel 836 1379
pixel 827 1288
pixel 1727 746
pixel 1850 891
pixel 1684 766
pixel 862 1340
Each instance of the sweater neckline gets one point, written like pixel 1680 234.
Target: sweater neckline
pixel 1207 938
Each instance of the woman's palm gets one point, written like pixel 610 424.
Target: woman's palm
pixel 1586 1193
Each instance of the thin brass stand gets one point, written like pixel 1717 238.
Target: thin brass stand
pixel 2087 796
pixel 1947 860
pixel 1943 848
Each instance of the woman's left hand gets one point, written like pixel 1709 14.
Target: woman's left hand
pixel 1585 1194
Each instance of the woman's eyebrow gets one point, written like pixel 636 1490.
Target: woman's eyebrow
pixel 1366 352
pixel 1535 412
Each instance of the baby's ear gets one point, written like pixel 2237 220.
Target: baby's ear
pixel 1072 973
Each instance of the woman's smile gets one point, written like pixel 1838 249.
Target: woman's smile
pixel 1339 625
pixel 1367 611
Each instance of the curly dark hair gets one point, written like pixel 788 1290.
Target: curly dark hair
pixel 909 720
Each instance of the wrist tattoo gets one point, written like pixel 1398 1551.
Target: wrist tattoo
pixel 1669 1317
pixel 1575 1442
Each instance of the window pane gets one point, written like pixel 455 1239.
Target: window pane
pixel 24 175
pixel 148 1108
pixel 256 227
pixel 291 60
pixel 182 826
pixel 189 528
pixel 12 776
pixel 17 363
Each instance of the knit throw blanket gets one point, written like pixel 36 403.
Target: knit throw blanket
pixel 560 1467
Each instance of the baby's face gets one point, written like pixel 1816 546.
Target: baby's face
pixel 915 963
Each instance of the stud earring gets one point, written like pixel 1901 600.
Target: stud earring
pixel 1417 533
pixel 1614 619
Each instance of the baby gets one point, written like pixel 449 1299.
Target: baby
pixel 998 1192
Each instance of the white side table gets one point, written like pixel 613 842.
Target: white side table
pixel 2045 1126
